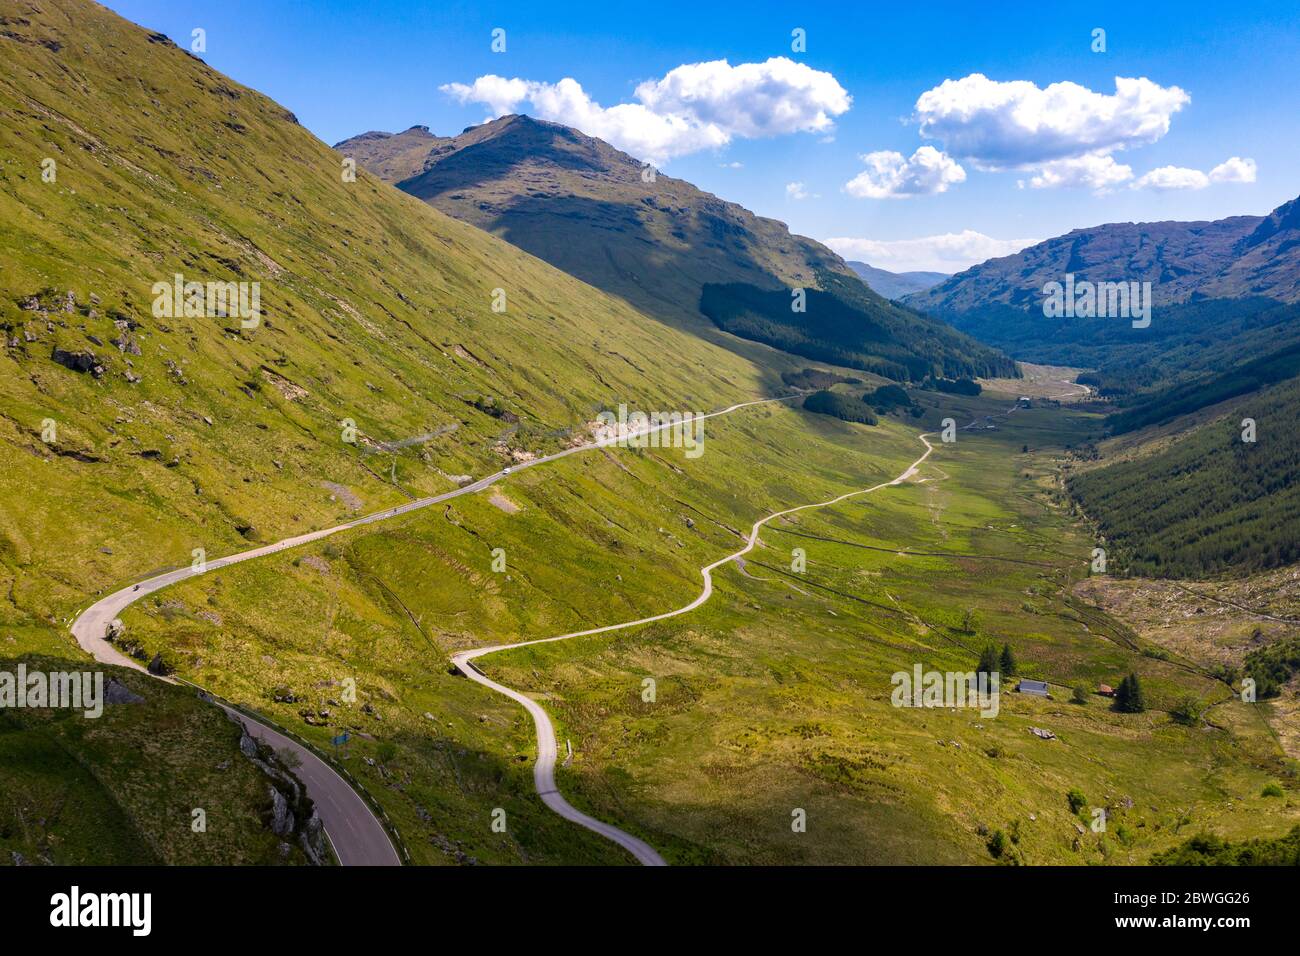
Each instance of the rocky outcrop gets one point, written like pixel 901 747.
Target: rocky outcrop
pixel 281 816
pixel 78 361
pixel 312 839
pixel 291 814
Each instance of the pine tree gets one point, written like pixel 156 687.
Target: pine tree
pixel 988 660
pixel 1008 661
pixel 1129 698
pixel 1137 700
pixel 1121 696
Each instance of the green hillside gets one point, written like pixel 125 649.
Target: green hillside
pixel 1155 408
pixel 128 440
pixel 848 326
pixel 122 789
pixel 1209 502
pixel 198 432
pixel 774 695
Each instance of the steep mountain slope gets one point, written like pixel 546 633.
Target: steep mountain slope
pixel 895 285
pixel 656 241
pixel 846 323
pixel 135 438
pixel 1266 262
pixel 132 438
pixel 1224 293
pixel 1228 258
pixel 120 789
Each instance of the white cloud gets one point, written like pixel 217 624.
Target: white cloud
pixel 1167 178
pixel 1172 177
pixel 693 107
pixel 732 165
pixel 1092 172
pixel 796 191
pixel 950 252
pixel 890 176
pixel 1234 170
pixel 1017 125
pixel 752 100
pixel 629 126
pixel 502 96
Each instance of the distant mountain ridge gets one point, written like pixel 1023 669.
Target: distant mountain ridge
pixel 1229 258
pixel 655 241
pixel 895 285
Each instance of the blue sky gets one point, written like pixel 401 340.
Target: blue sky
pixel 1012 157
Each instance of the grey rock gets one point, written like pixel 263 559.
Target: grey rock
pixel 312 839
pixel 281 816
pixel 118 693
pixel 77 361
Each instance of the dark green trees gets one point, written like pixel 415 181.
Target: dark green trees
pixel 1129 698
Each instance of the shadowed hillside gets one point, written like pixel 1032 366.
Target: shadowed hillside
pixel 656 241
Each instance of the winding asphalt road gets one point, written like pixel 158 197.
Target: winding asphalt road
pixel 359 839
pixel 544 769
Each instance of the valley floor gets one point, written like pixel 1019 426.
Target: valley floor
pixel 706 734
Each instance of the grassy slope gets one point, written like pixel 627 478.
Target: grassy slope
pixel 777 704
pixel 120 789
pixel 376 305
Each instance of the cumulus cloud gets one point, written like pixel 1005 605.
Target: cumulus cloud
pixel 1168 178
pixel 693 107
pixel 1234 170
pixel 501 95
pixel 796 191
pixel 950 252
pixel 752 100
pixel 1018 125
pixel 1092 172
pixel 889 175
